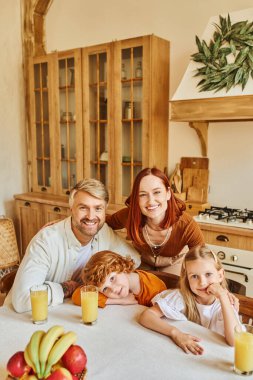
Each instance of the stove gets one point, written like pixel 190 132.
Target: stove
pixel 238 263
pixel 227 217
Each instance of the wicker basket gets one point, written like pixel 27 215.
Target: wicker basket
pixel 9 255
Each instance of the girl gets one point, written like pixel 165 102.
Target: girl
pixel 157 223
pixel 202 298
pixel 118 282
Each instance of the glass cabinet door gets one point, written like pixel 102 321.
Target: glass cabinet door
pixel 41 126
pixel 97 121
pixel 131 99
pixel 69 117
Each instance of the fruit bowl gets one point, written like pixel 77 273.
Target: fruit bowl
pixel 82 376
pixel 51 355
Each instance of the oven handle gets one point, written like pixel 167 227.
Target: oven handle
pixel 222 238
pixel 243 274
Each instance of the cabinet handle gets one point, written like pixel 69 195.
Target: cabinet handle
pixel 190 206
pixel 222 238
pixel 67 192
pixel 43 188
pixel 57 209
pixel 27 204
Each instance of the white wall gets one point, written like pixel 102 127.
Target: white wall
pixel 13 178
pixel 78 23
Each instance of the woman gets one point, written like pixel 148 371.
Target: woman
pixel 157 223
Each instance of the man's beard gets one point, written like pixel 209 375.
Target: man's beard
pixel 85 230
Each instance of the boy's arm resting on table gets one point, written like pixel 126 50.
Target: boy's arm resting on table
pixel 103 300
pixel 128 300
pixel 152 319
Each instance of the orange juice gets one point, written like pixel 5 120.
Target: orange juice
pixel 244 351
pixel 89 301
pixel 39 302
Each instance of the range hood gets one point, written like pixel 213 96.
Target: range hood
pixel 200 108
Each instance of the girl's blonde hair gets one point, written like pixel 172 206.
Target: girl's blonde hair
pixel 199 252
pixel 103 263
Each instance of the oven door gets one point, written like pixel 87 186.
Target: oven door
pixel 240 280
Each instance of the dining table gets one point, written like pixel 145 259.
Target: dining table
pixel 118 347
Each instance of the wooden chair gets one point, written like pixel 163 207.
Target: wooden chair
pixel 170 280
pixel 6 281
pixel 245 308
pixel 9 255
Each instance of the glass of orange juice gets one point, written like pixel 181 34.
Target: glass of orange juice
pixel 243 364
pixel 89 302
pixel 39 302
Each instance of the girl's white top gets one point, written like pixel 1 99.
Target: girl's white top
pixel 172 305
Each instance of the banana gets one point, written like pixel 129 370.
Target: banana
pixel 46 344
pixel 33 349
pixel 28 359
pixel 59 348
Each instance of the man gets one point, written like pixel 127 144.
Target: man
pixel 58 252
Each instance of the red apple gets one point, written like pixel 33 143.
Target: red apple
pixel 74 359
pixel 60 374
pixel 17 365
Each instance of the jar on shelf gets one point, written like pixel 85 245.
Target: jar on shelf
pixel 123 71
pixel 73 180
pixel 138 70
pixel 129 110
pixel 62 151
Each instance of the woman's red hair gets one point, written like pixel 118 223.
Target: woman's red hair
pixel 136 220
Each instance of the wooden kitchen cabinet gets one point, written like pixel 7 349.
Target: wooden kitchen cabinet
pixel 125 94
pixel 34 211
pixel 100 112
pixel 228 236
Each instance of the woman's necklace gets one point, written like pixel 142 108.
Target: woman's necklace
pixel 151 244
pixel 155 247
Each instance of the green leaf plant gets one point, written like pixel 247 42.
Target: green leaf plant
pixel 228 59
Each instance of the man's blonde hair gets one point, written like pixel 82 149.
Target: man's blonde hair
pixel 91 186
pixel 102 263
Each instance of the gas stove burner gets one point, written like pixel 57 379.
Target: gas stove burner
pixel 230 216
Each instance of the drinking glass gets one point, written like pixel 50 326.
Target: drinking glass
pixel 89 302
pixel 39 302
pixel 243 364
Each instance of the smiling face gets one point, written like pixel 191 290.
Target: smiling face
pixel 153 198
pixel 201 273
pixel 88 216
pixel 116 285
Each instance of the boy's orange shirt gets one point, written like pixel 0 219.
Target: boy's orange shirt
pixel 150 285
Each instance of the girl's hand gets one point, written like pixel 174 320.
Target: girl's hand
pixel 216 289
pixel 187 342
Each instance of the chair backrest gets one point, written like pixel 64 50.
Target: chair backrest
pixel 170 280
pixel 245 308
pixel 9 255
pixel 6 281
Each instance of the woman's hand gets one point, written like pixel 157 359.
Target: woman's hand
pixel 188 343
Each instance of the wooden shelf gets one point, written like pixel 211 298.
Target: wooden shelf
pixel 199 112
pixel 212 109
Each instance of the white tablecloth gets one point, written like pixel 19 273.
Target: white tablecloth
pixel 119 348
